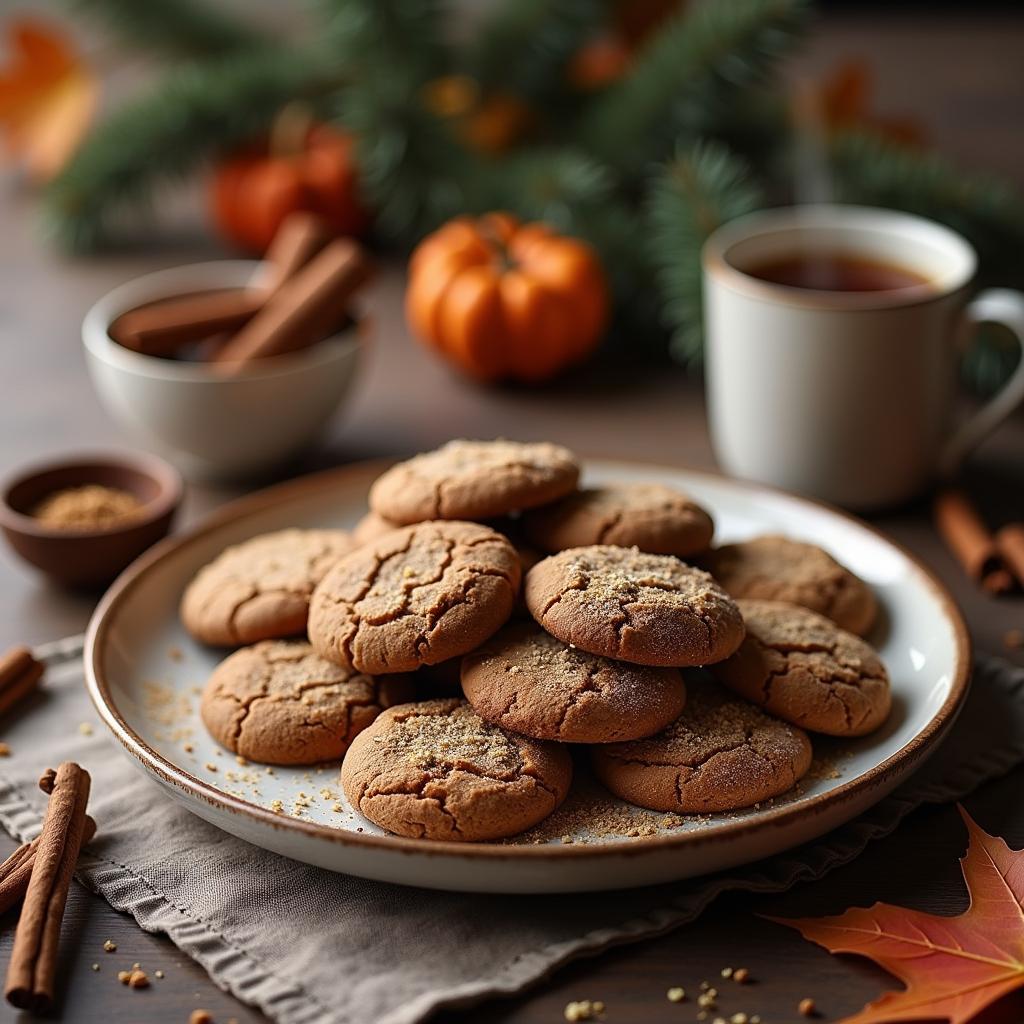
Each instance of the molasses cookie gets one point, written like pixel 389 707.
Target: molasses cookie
pixel 474 480
pixel 720 754
pixel 260 589
pixel 651 517
pixel 525 680
pixel 803 668
pixel 622 603
pixel 436 770
pixel 416 596
pixel 776 568
pixel 280 703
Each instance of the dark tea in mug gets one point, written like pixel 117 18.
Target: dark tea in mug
pixel 837 272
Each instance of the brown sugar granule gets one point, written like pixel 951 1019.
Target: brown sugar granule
pixel 806 1008
pixel 92 507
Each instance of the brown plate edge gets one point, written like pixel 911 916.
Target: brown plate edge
pixel 904 758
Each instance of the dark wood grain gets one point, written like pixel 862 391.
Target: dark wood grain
pixel 962 77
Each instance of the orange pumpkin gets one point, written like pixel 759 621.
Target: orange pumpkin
pixel 505 301
pixel 253 191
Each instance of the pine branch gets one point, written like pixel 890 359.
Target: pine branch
pixel 693 194
pixel 400 40
pixel 524 45
pixel 709 50
pixel 174 28
pixel 192 115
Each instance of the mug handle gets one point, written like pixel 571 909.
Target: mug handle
pixel 999 306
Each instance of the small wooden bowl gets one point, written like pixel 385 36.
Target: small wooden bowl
pixel 89 558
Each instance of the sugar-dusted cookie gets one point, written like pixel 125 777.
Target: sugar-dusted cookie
pixel 525 680
pixel 651 517
pixel 777 568
pixel 802 667
pixel 436 770
pixel 259 589
pixel 628 605
pixel 416 596
pixel 278 702
pixel 720 754
pixel 474 480
pixel 370 527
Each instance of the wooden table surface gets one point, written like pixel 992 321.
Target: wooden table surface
pixel 963 78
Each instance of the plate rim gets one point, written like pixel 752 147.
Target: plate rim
pixel 282 493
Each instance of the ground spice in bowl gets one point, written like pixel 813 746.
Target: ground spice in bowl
pixel 90 507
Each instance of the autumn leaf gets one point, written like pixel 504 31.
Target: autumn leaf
pixel 953 967
pixel 47 97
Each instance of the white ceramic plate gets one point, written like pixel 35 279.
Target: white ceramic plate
pixel 145 673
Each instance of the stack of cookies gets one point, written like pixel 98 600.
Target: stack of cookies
pixel 566 616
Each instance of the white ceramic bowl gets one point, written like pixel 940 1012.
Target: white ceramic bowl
pixel 211 426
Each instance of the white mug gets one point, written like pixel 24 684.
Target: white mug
pixel 846 396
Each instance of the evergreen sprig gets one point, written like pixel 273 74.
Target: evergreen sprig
pixel 683 71
pixel 692 195
pixel 523 46
pixel 174 28
pixel 193 114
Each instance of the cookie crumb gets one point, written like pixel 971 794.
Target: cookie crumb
pixel 676 994
pixel 110 946
pixel 124 976
pixel 138 979
pixel 726 972
pixel 583 1009
pixel 337 808
pixel 240 760
pixel 210 766
pixel 277 807
pixel 739 1018
pixel 158 974
pixel 1013 639
pixel 200 1017
pixel 175 653
pixel 95 967
pixel 85 728
pixel 5 750
pixel 741 975
pixel 187 747
pixel 806 1008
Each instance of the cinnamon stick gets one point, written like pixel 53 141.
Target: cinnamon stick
pixel 299 238
pixel 17 869
pixel 19 675
pixel 303 309
pixel 162 328
pixel 970 541
pixel 1010 544
pixel 31 973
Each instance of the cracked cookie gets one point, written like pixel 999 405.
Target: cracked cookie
pixel 802 667
pixel 278 702
pixel 631 606
pixel 259 589
pixel 776 568
pixel 436 770
pixel 416 596
pixel 651 517
pixel 720 754
pixel 474 480
pixel 525 680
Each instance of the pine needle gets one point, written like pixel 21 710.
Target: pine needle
pixel 692 195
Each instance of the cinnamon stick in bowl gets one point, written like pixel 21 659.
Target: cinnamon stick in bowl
pixel 304 308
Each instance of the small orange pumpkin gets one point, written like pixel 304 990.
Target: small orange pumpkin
pixel 504 300
pixel 253 191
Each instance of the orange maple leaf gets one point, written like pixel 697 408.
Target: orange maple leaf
pixel 47 97
pixel 953 967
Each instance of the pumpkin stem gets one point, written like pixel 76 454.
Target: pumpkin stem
pixel 290 130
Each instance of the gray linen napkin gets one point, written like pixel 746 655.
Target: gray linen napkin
pixel 307 945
